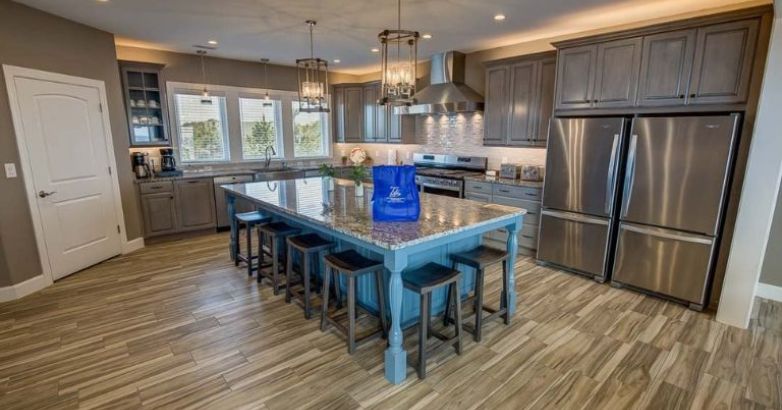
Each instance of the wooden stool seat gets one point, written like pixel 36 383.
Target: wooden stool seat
pixel 276 233
pixel 309 245
pixel 352 264
pixel 423 281
pixel 480 258
pixel 249 220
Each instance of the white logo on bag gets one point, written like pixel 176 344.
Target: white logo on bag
pixel 395 195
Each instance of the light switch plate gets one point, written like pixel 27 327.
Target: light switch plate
pixel 10 170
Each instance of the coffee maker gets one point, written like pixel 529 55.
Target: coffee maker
pixel 140 162
pixel 167 160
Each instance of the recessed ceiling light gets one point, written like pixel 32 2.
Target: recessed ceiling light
pixel 212 42
pixel 499 17
pixel 337 61
pixel 103 1
pixel 375 50
pixel 427 36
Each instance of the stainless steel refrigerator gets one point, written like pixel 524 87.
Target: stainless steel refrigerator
pixel 579 193
pixel 675 184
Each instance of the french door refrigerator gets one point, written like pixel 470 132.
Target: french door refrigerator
pixel 674 190
pixel 582 162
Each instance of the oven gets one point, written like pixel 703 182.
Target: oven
pixel 440 186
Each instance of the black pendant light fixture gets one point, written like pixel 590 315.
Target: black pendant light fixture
pixel 399 63
pixel 205 97
pixel 313 79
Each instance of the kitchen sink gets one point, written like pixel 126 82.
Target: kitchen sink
pixel 274 173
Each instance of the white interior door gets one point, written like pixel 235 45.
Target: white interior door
pixel 66 148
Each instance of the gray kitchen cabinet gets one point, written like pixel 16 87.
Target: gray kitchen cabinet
pixel 497 101
pixel 665 71
pixel 370 119
pixel 195 204
pixel 616 82
pixel 359 118
pixel 519 101
pixel 338 114
pixel 401 128
pixel 353 115
pixel 576 77
pixel 159 213
pixel 723 62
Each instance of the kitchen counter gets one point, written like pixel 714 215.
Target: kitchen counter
pixel 212 173
pixel 505 181
pixel 446 225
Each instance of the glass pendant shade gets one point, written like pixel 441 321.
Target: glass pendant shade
pixel 313 79
pixel 398 64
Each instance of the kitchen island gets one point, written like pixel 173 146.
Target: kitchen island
pixel 337 209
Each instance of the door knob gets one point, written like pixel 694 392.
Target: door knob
pixel 44 194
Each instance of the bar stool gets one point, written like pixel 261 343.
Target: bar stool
pixel 309 245
pixel 248 220
pixel 351 264
pixel 480 258
pixel 423 281
pixel 276 233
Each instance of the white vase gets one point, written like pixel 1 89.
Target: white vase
pixel 360 190
pixel 331 183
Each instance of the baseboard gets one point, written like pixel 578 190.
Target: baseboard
pixel 23 289
pixel 766 291
pixel 132 245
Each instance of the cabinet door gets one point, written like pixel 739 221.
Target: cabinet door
pixel 382 120
pixel 618 63
pixel 195 202
pixel 576 77
pixel 523 84
pixel 370 113
pixel 354 114
pixel 159 213
pixel 339 114
pixel 665 68
pixel 544 105
pixel 497 102
pixel 401 128
pixel 723 62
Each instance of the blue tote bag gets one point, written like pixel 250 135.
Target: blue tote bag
pixel 395 197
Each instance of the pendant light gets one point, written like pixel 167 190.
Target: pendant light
pixel 265 62
pixel 313 79
pixel 399 63
pixel 205 97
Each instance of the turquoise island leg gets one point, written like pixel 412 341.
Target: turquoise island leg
pixel 395 355
pixel 512 248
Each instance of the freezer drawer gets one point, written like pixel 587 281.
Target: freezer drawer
pixel 677 171
pixel 574 241
pixel 668 262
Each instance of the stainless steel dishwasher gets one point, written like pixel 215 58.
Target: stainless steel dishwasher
pixel 221 208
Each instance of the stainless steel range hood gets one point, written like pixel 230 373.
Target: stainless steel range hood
pixel 447 92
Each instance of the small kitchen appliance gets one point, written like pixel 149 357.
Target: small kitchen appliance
pixel 532 173
pixel 140 162
pixel 510 171
pixel 167 160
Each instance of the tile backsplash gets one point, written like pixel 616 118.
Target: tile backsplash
pixel 460 134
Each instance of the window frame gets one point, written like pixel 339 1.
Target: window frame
pixel 173 109
pixel 278 118
pixel 232 122
pixel 325 128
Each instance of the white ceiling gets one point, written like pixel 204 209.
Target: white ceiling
pixel 275 29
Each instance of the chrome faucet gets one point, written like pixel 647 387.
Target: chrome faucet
pixel 269 157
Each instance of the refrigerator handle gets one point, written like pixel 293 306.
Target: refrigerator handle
pixel 681 237
pixel 575 217
pixel 630 174
pixel 611 178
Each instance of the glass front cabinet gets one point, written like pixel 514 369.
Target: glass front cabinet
pixel 145 104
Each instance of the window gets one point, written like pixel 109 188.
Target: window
pixel 260 127
pixel 201 125
pixel 310 132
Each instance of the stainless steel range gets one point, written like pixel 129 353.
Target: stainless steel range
pixel 443 174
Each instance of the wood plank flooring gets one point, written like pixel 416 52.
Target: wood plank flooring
pixel 176 325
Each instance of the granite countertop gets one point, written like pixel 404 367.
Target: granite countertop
pixel 342 211
pixel 505 181
pixel 212 173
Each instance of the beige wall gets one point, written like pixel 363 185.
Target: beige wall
pixel 771 273
pixel 31 38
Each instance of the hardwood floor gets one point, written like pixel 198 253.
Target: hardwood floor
pixel 176 325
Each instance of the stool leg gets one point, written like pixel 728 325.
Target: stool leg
pixel 455 291
pixel 324 308
pixel 447 314
pixel 261 240
pixel 381 302
pixel 249 250
pixel 305 273
pixel 478 304
pixel 276 264
pixel 504 296
pixel 423 327
pixel 429 315
pixel 288 276
pixel 337 289
pixel 351 314
pixel 236 242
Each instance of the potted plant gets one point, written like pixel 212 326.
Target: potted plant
pixel 358 173
pixel 328 172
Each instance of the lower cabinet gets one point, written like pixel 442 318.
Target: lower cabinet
pixel 183 205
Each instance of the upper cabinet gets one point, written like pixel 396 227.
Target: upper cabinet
pixel 519 101
pixel 145 104
pixel 663 66
pixel 358 118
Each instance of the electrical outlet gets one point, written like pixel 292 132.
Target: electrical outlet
pixel 10 170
